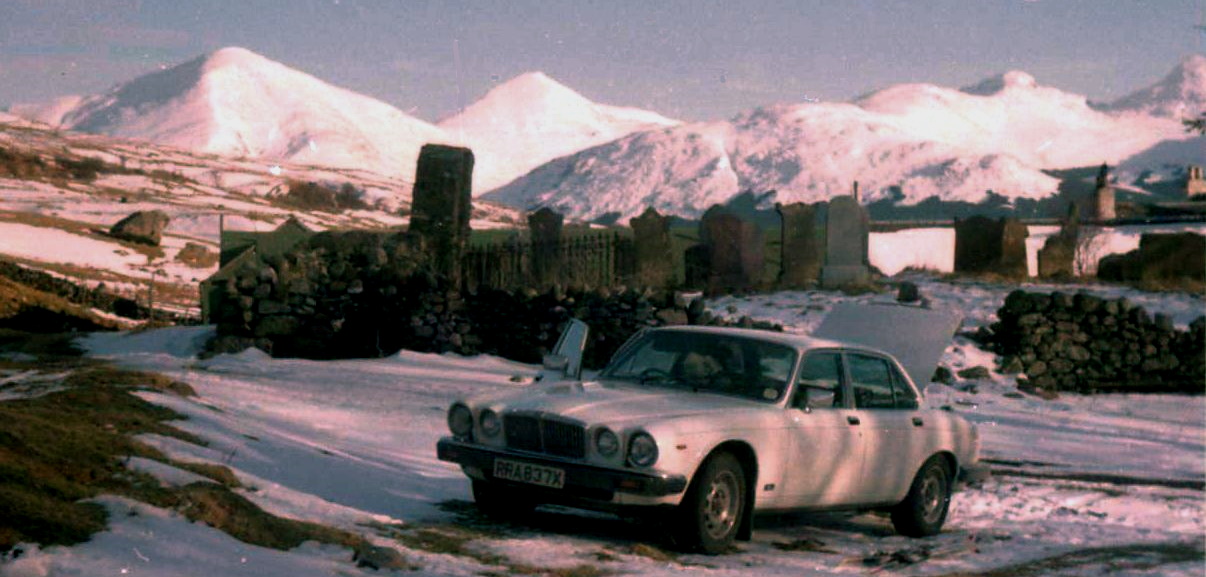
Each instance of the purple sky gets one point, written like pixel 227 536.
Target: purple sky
pixel 693 59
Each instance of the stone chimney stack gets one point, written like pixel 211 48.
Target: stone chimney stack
pixel 1103 196
pixel 1195 183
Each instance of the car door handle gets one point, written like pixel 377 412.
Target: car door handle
pixel 853 420
pixel 917 422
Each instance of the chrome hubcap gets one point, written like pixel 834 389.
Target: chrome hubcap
pixel 721 505
pixel 933 496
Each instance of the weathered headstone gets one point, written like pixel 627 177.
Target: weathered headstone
pixel 145 227
pixel 1057 258
pixel 653 252
pixel 697 266
pixel 984 245
pixel 545 225
pixel 803 244
pixel 846 238
pixel 736 252
pixel 442 205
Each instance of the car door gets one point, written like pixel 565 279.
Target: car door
pixel 894 435
pixel 826 452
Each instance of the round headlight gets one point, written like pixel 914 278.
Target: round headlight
pixel 642 450
pixel 490 423
pixel 460 420
pixel 606 442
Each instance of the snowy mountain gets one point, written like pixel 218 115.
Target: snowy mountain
pixel 908 142
pixel 237 103
pixel 1180 94
pixel 532 119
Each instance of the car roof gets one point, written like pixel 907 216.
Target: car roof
pixel 798 341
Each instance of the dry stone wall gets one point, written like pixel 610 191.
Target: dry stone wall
pixel 1081 342
pixel 356 294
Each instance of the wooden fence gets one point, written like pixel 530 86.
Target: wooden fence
pixel 592 260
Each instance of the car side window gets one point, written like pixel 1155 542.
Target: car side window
pixel 871 379
pixel 905 397
pixel 820 382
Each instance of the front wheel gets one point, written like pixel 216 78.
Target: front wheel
pixel 923 511
pixel 711 512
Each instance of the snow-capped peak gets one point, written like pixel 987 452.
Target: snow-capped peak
pixel 1014 79
pixel 532 119
pixel 234 56
pixel 235 102
pixel 1180 94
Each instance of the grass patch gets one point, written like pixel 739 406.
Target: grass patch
pixel 25 308
pixel 218 473
pixel 197 256
pixel 448 540
pixel 61 448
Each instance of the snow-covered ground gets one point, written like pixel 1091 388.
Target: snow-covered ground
pixel 1107 485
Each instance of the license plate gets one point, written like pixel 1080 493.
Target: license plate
pixel 529 473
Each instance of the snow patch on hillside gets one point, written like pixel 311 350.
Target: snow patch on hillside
pixel 907 143
pixel 532 119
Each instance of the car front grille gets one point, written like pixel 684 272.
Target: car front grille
pixel 541 435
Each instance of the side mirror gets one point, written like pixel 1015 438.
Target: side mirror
pixel 555 363
pixel 565 362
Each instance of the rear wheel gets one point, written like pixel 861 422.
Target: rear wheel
pixel 923 511
pixel 711 512
pixel 500 503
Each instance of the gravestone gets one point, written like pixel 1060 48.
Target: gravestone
pixel 984 245
pixel 697 266
pixel 803 244
pixel 1057 258
pixel 441 207
pixel 653 253
pixel 545 226
pixel 735 252
pixel 846 237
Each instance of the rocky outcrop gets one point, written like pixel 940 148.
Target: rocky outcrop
pixel 1081 342
pixel 145 227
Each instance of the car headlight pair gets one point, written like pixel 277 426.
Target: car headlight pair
pixel 642 449
pixel 460 422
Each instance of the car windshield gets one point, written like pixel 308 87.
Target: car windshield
pixel 706 362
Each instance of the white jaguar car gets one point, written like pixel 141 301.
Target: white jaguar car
pixel 709 425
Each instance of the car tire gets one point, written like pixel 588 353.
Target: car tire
pixel 499 503
pixel 924 510
pixel 710 514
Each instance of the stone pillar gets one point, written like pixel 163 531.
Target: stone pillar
pixel 803 245
pixel 984 245
pixel 847 232
pixel 441 206
pixel 545 226
pixel 653 253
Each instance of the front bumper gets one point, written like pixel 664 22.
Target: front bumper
pixel 581 480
